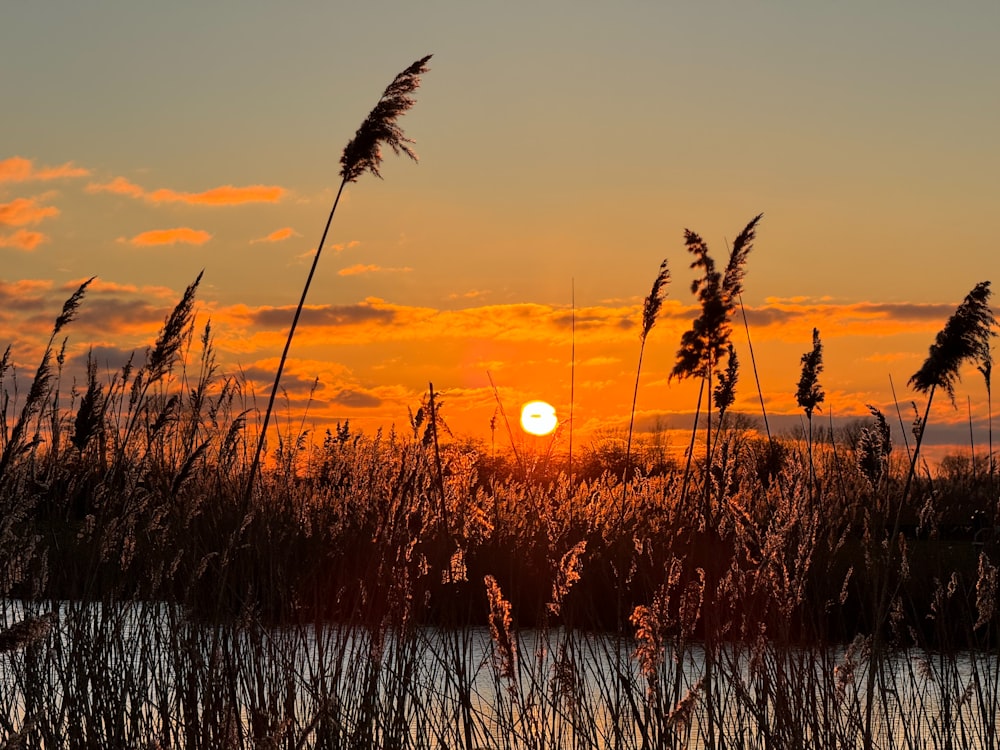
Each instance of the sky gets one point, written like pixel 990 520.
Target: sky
pixel 564 148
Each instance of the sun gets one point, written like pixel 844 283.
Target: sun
pixel 538 418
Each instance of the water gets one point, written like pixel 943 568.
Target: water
pixel 136 673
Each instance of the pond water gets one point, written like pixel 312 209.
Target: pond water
pixel 136 673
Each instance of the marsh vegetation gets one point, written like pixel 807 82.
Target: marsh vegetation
pixel 163 587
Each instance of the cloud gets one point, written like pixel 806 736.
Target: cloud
pixel 326 315
pixel 22 211
pixel 290 382
pixel 341 246
pixel 109 358
pixel 23 287
pixel 18 298
pixel 361 268
pixel 890 356
pixel 471 294
pixel 224 195
pixel 277 235
pixel 356 399
pixel 118 186
pixel 600 361
pixel 18 169
pixel 184 235
pixel 23 239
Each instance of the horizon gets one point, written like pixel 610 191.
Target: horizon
pixel 551 184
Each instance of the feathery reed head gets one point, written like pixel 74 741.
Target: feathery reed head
pixel 70 307
pixel 703 345
pixel 985 366
pixel 964 337
pixel 874 448
pixel 168 344
pixel 809 393
pixel 363 152
pixel 651 307
pixel 724 394
pixel 26 632
pixel 732 282
pixel 501 629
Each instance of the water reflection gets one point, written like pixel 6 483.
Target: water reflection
pixel 138 673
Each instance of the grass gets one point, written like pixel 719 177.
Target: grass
pixel 420 591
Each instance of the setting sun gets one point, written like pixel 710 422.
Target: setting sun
pixel 538 418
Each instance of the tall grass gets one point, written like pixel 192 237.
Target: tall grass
pixel 363 153
pixel 415 591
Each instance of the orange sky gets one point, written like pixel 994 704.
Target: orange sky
pixel 563 150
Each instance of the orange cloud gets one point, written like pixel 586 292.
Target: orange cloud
pixel 225 195
pixel 471 294
pixel 341 246
pixel 118 186
pixel 277 235
pixel 23 211
pixel 23 239
pixel 18 169
pixel 360 268
pixel 24 287
pixel 184 235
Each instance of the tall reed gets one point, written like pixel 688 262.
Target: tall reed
pixel 363 153
pixel 809 395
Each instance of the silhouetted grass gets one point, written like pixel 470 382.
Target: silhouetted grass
pixel 415 591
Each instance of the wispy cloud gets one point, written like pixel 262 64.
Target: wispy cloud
pixel 23 239
pixel 471 294
pixel 22 211
pixel 361 268
pixel 99 285
pixel 19 169
pixel 356 399
pixel 183 235
pixel 224 195
pixel 278 235
pixel 118 186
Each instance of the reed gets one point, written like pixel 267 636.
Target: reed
pixel 363 153
pixel 809 395
pixel 650 310
pixel 418 591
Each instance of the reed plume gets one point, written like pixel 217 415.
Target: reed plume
pixel 37 393
pixel 650 309
pixel 985 368
pixel 703 344
pixel 724 394
pixel 809 394
pixel 28 631
pixel 363 153
pixel 964 338
pixel 874 448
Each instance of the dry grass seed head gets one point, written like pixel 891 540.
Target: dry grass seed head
pixel 809 394
pixel 986 592
pixel 172 335
pixel 724 394
pixel 964 337
pixel 28 631
pixel 653 303
pixel 703 344
pixel 501 628
pixel 363 152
